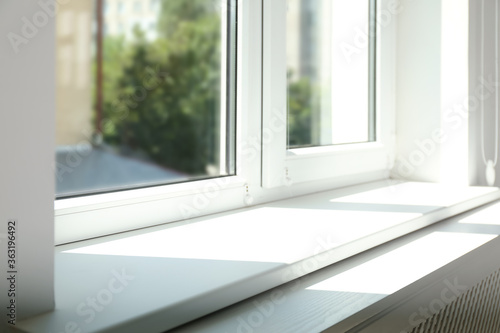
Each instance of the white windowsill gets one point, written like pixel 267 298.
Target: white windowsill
pixel 386 289
pixel 185 270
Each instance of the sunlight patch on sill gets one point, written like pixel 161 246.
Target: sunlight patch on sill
pixel 487 216
pixel 412 194
pixel 266 234
pixel 394 270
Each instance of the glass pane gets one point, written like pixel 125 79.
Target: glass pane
pixel 331 72
pixel 145 93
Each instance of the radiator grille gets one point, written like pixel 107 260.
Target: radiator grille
pixel 477 311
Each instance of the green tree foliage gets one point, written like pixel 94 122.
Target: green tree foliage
pixel 175 13
pixel 299 113
pixel 173 122
pixel 174 119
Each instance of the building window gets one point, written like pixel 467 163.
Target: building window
pixel 137 7
pixel 154 5
pixel 121 7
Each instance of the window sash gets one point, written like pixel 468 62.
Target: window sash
pixel 282 166
pixel 104 214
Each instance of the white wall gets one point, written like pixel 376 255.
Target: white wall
pixel 418 83
pixel 27 103
pixel 455 94
pixel 476 161
pixel 432 88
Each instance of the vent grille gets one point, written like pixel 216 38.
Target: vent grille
pixel 477 310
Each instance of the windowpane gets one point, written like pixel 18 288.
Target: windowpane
pixel 145 94
pixel 331 72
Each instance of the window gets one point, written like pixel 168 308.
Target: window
pixel 154 5
pixel 144 108
pixel 256 141
pixel 330 96
pixel 338 116
pixel 137 7
pixel 121 6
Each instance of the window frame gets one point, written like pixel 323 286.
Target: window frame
pixel 103 214
pixel 282 166
pixel 96 215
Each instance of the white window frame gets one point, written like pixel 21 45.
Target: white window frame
pixel 103 214
pixel 282 166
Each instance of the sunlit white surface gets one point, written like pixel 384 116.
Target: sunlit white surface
pixel 489 216
pixel 289 231
pixel 349 98
pixel 454 85
pixel 187 270
pixel 415 194
pixel 268 234
pixel 392 271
